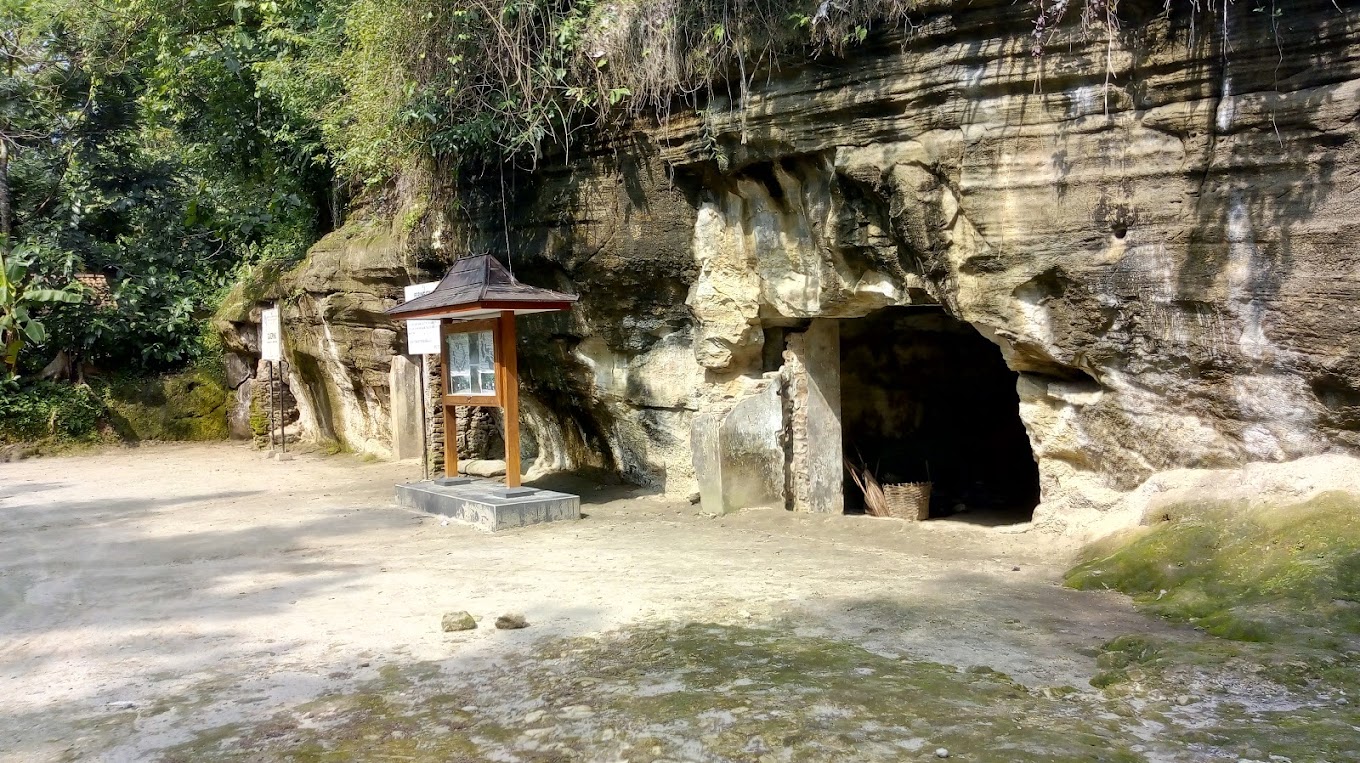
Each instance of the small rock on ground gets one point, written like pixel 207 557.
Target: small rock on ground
pixel 458 621
pixel 511 622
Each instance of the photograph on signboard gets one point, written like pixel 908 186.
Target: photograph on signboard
pixel 472 363
pixel 486 349
pixel 482 363
pixel 460 365
pixel 486 368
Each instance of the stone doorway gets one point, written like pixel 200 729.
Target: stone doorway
pixel 925 397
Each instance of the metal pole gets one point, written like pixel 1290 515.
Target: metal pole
pixel 283 435
pixel 270 396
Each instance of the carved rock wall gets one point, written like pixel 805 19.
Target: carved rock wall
pixel 1157 231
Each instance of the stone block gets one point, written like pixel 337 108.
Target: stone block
pixel 458 621
pixel 738 453
pixel 813 385
pixel 482 467
pixel 404 385
pixel 238 415
pixel 489 505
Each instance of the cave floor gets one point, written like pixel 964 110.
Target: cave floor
pixel 196 602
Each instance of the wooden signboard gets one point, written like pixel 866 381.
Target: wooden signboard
pixel 476 303
pixel 480 369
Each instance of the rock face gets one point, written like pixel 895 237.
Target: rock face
pixel 338 344
pixel 191 405
pixel 1156 231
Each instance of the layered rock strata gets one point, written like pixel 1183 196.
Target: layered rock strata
pixel 1156 229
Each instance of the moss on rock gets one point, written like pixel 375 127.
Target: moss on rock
pixel 686 692
pixel 187 406
pixel 1278 587
pixel 1242 573
pixel 260 283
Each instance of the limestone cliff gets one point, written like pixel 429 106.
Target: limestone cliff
pixel 1157 229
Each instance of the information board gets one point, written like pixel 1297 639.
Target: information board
pixel 422 337
pixel 271 335
pixel 472 363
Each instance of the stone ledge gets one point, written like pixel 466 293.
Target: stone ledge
pixel 489 505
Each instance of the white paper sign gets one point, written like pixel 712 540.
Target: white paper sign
pixel 271 335
pixel 422 337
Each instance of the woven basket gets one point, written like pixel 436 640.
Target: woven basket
pixel 909 500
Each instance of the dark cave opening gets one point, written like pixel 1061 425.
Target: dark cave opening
pixel 926 398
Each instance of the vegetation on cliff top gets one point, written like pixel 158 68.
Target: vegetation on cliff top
pixel 474 82
pixel 164 147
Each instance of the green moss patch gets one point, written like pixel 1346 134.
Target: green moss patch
pixel 185 406
pixel 1247 574
pixel 693 692
pixel 262 282
pixel 1117 657
pixel 722 693
pixel 815 699
pixel 1325 733
pixel 1278 589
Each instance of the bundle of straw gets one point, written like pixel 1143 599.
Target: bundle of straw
pixel 875 503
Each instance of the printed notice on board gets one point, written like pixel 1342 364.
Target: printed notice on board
pixel 422 337
pixel 472 363
pixel 271 335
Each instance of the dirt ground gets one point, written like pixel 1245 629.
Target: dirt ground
pixel 198 602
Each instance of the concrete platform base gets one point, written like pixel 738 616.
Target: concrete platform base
pixel 488 505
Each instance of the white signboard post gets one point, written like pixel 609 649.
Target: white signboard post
pixel 271 335
pixel 271 351
pixel 422 337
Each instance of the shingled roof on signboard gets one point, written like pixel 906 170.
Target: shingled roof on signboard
pixel 479 286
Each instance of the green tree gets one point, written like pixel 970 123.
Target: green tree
pixel 20 299
pixel 141 145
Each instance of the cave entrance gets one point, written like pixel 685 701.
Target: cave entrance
pixel 925 397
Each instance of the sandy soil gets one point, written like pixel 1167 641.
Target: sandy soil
pixel 224 587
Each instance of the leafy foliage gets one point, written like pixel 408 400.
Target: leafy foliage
pixel 20 299
pixel 142 148
pixel 48 411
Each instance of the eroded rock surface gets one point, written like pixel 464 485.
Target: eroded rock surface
pixel 1156 230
